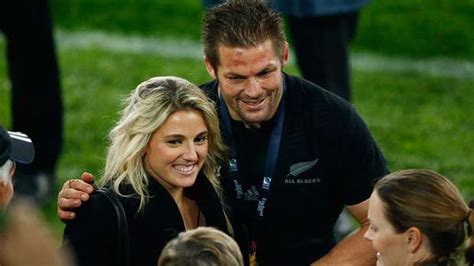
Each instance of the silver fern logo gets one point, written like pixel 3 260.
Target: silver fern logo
pixel 299 168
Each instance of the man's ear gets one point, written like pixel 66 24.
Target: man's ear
pixel 414 239
pixel 210 68
pixel 286 54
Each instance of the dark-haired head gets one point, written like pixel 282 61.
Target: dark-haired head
pixel 243 24
pixel 426 203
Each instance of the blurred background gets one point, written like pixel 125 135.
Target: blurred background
pixel 412 76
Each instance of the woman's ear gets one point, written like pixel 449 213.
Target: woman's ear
pixel 414 239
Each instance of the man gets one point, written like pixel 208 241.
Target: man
pixel 298 154
pixel 14 147
pixel 322 31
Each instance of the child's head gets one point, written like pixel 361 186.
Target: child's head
pixel 201 246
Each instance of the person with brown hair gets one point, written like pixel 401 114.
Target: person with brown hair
pixel 322 31
pixel 419 217
pixel 203 246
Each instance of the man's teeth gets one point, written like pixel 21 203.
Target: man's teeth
pixel 253 102
pixel 184 168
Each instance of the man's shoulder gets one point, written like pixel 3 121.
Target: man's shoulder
pixel 300 86
pixel 309 98
pixel 210 89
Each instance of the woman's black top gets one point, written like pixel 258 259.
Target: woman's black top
pixel 92 235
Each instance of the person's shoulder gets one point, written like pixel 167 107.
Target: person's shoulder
pixel 210 89
pixel 98 207
pixel 310 98
pixel 95 220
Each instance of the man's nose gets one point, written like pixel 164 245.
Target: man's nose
pixel 253 89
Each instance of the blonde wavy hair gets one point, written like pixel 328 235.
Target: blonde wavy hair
pixel 146 109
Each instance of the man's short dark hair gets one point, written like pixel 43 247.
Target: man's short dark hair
pixel 241 23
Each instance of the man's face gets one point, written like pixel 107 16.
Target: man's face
pixel 250 81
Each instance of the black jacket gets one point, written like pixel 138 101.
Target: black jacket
pixel 327 159
pixel 92 236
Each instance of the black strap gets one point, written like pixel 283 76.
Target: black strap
pixel 123 249
pixel 270 161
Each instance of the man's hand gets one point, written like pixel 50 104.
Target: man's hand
pixel 73 193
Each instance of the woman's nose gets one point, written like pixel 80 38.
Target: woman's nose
pixel 190 153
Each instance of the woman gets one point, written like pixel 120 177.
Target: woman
pixel 418 217
pixel 163 163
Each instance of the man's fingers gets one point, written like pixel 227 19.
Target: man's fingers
pixel 74 193
pixel 75 185
pixel 68 204
pixel 88 177
pixel 64 205
pixel 65 185
pixel 65 215
pixel 79 185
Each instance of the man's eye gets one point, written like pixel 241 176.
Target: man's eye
pixel 264 74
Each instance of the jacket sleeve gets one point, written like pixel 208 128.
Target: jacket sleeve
pixel 92 235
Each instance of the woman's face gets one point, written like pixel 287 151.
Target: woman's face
pixel 391 247
pixel 177 149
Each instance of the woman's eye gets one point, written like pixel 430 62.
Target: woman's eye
pixel 201 139
pixel 372 228
pixel 174 142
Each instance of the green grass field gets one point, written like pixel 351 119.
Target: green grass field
pixel 412 28
pixel 419 121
